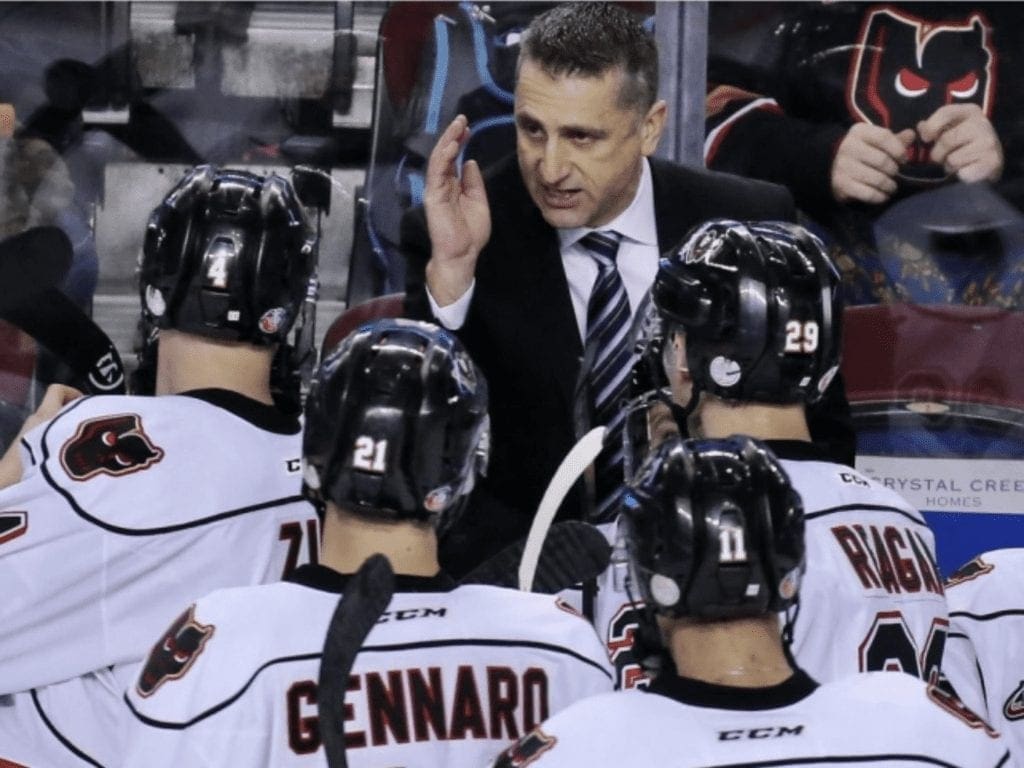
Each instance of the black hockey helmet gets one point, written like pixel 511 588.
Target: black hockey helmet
pixel 396 423
pixel 713 529
pixel 229 255
pixel 760 306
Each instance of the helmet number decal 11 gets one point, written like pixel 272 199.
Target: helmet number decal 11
pixel 801 337
pixel 732 546
pixel 369 454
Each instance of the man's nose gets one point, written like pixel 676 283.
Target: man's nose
pixel 554 162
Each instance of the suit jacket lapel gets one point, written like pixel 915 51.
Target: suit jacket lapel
pixel 546 301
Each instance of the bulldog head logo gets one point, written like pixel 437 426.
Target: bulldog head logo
pixel 109 445
pixel 174 653
pixel 904 68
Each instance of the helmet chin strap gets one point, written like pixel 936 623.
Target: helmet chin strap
pixel 682 413
pixel 787 631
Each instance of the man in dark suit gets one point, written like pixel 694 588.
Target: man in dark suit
pixel 501 263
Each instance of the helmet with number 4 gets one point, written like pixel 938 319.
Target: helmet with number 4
pixel 229 255
pixel 713 529
pixel 760 307
pixel 396 423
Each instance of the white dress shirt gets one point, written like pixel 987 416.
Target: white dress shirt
pixel 637 260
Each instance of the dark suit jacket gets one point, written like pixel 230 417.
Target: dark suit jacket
pixel 522 332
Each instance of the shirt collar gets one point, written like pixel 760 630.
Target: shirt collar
pixel 636 223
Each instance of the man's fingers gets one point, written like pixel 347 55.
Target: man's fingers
pixel 441 163
pixel 473 181
pixel 882 139
pixel 944 118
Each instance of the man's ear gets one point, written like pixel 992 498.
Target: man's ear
pixel 652 126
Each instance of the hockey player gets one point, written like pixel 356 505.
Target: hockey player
pixel 747 332
pixel 984 657
pixel 127 507
pixel 396 428
pixel 714 536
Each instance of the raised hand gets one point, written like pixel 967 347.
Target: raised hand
pixel 458 216
pixel 864 168
pixel 965 143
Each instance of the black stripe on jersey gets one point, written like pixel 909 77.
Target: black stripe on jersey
pixel 366 648
pixel 884 759
pixel 987 616
pixel 868 507
pixel 28 448
pixel 60 736
pixel 147 531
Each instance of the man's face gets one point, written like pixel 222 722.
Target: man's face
pixel 579 150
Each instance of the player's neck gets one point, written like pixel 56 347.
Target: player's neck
pixel 745 653
pixel 718 418
pixel 186 362
pixel 410 546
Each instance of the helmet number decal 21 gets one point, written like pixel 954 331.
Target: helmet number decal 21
pixel 801 337
pixel 369 454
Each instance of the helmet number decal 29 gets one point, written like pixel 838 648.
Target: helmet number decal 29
pixel 369 454
pixel 801 336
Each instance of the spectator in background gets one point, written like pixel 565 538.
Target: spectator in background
pixel 854 106
pixel 36 188
pixel 513 264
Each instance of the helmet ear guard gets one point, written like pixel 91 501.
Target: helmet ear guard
pixel 714 530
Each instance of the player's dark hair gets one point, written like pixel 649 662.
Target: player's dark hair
pixel 590 39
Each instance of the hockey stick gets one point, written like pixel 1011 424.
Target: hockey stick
pixel 366 595
pixel 31 262
pixel 573 465
pixel 56 322
pixel 572 551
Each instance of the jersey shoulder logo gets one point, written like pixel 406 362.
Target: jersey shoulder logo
pixel 949 701
pixel 1013 709
pixel 969 571
pixel 175 652
pixel 109 445
pixel 526 750
pixel 12 525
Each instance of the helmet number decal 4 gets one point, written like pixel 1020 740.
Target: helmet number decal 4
pixel 369 454
pixel 801 336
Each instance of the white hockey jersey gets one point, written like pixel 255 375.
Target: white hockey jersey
pixel 447 677
pixel 129 508
pixel 985 653
pixel 865 720
pixel 871 599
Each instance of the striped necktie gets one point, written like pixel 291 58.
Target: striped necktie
pixel 608 348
